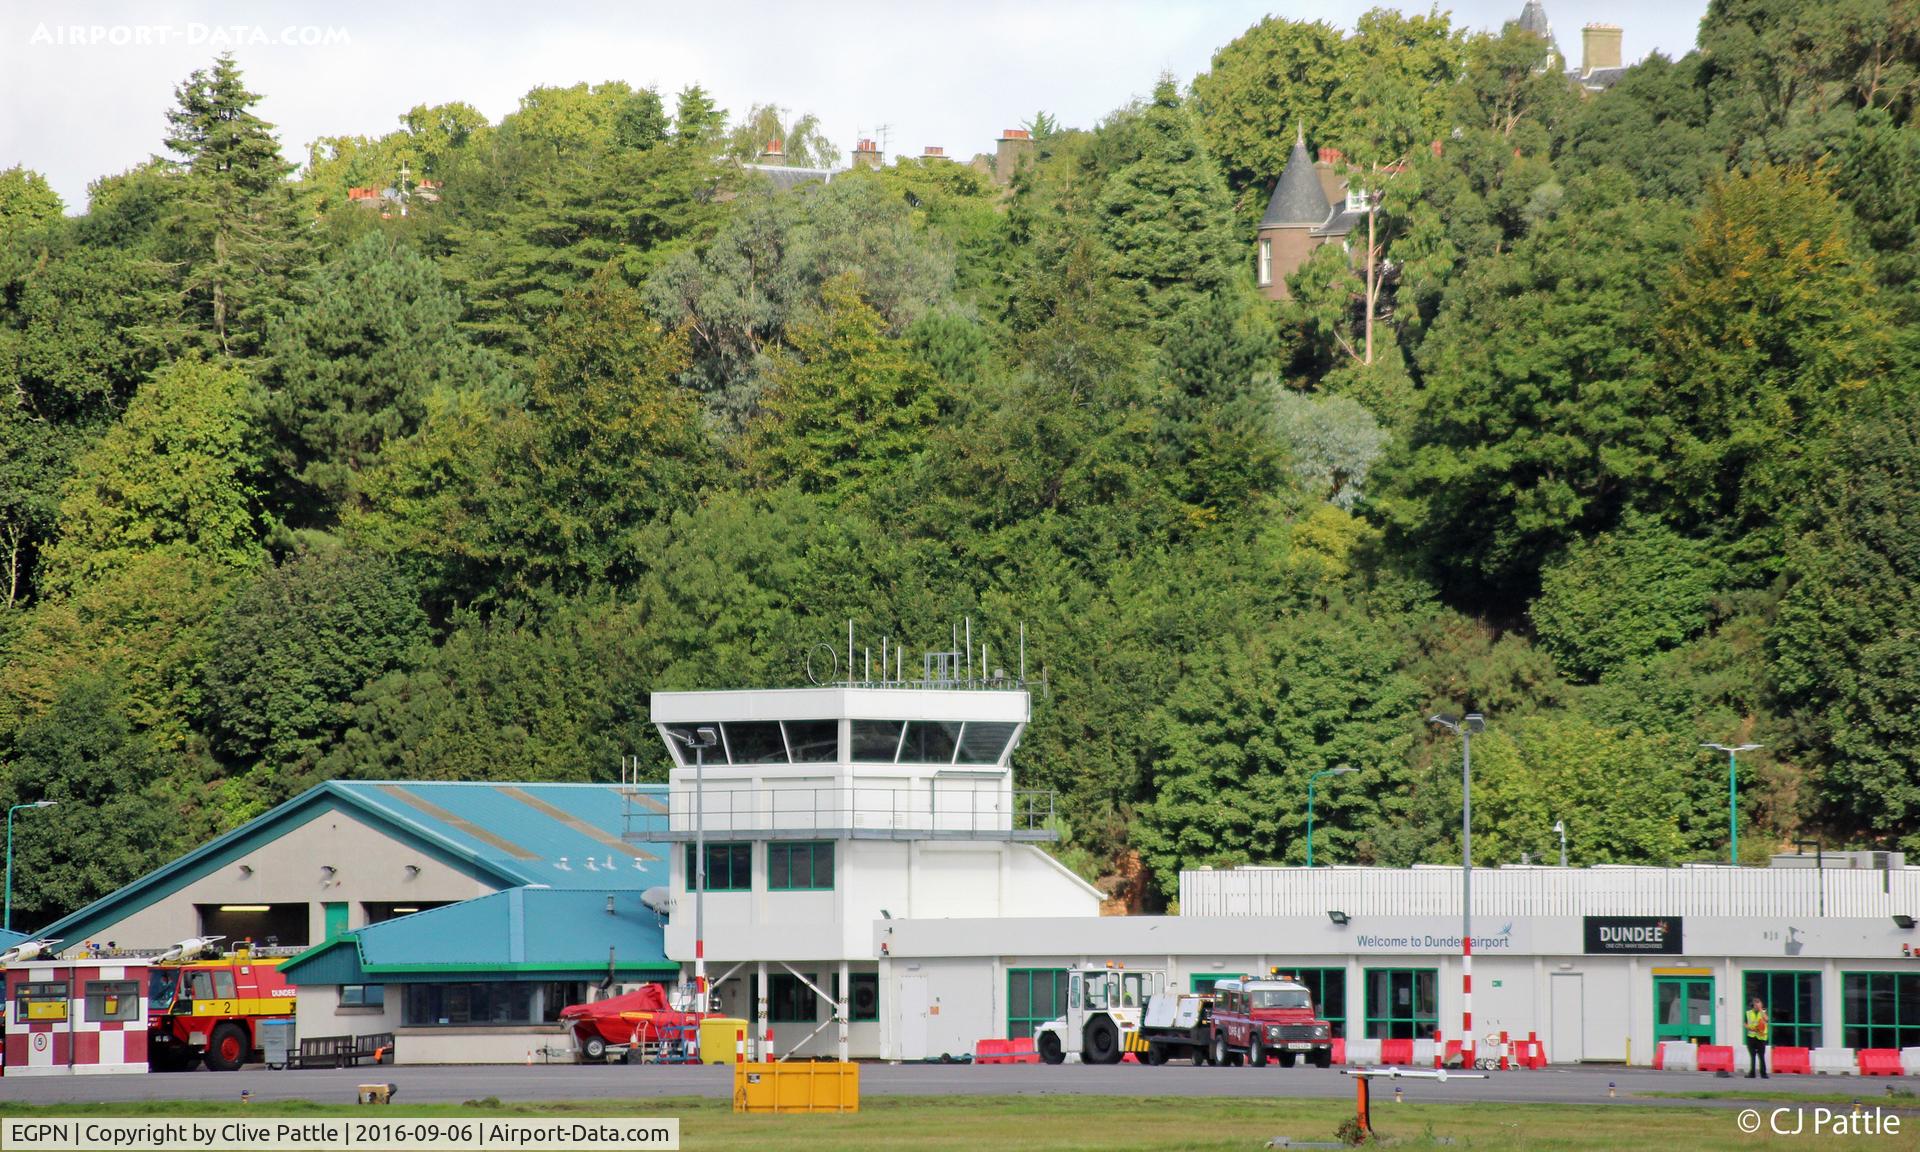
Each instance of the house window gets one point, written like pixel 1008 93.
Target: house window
pixel 1880 1009
pixel 1356 200
pixel 113 1000
pixel 729 868
pixel 863 999
pixel 363 995
pixel 461 1005
pixel 789 1000
pixel 1403 1003
pixel 802 867
pixel 1266 261
pixel 1792 1000
pixel 1034 996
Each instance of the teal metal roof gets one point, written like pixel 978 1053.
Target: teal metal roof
pixel 524 933
pixel 504 834
pixel 9 939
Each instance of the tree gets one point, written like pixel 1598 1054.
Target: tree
pixel 373 333
pixel 1166 214
pixel 27 201
pixel 1771 331
pixel 846 406
pixel 291 650
pixel 802 143
pixel 697 120
pixel 178 474
pixel 1273 78
pixel 1623 596
pixel 1331 443
pixel 236 219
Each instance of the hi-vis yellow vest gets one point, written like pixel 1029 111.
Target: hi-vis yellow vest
pixel 1756 1024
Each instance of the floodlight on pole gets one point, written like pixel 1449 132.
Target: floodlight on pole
pixel 1733 795
pixel 700 739
pixel 1339 770
pixel 1465 727
pixel 6 922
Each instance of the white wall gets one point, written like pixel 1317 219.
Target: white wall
pixel 318 1012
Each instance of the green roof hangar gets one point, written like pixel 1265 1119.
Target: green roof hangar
pixel 460 916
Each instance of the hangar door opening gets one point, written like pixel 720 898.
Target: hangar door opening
pixel 1566 1038
pixel 284 925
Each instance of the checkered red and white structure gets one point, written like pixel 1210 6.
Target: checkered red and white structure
pixel 74 1017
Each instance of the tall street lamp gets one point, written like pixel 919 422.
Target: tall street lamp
pixel 700 739
pixel 1560 826
pixel 1342 770
pixel 1733 795
pixel 1465 727
pixel 7 923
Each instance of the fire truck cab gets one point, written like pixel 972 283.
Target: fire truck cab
pixel 209 1009
pixel 1104 1006
pixel 1258 1019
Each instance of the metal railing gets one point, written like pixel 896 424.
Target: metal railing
pixel 854 811
pixel 1545 891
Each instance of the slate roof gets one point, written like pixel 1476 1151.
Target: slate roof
pixel 504 834
pixel 1297 199
pixel 525 933
pixel 1533 18
pixel 786 179
pixel 1597 79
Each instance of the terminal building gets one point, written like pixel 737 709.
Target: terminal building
pixel 878 887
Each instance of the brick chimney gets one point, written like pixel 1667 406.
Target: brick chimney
pixel 1327 168
pixel 934 152
pixel 866 154
pixel 1599 47
pixel 1014 147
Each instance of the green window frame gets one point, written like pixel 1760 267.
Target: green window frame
pixel 1329 988
pixel 1402 1003
pixel 863 1003
pixel 363 995
pixel 1880 1009
pixel 800 866
pixel 1202 984
pixel 1034 996
pixel 729 867
pixel 1792 999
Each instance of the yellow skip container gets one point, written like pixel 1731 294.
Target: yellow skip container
pixel 798 1087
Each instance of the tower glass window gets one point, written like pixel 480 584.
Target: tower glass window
pixel 1266 261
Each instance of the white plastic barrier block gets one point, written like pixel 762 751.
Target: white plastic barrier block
pixel 1423 1053
pixel 1836 1062
pixel 1910 1061
pixel 1679 1056
pixel 1363 1052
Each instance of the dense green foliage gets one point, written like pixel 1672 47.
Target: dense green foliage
pixel 441 482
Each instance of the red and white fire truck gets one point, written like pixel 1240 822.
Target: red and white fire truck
pixel 207 1006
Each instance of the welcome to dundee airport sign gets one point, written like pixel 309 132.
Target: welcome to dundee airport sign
pixel 1637 935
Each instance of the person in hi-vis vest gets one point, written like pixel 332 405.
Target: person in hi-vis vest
pixel 1757 1039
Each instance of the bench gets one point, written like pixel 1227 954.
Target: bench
pixel 343 1051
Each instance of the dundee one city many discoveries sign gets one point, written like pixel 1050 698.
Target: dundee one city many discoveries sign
pixel 1643 935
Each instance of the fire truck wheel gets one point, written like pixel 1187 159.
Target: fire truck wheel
pixel 1286 1059
pixel 1156 1054
pixel 1219 1050
pixel 1049 1046
pixel 227 1048
pixel 1257 1053
pixel 595 1048
pixel 1102 1042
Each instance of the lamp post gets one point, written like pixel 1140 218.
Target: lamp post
pixel 1465 727
pixel 1733 795
pixel 1560 826
pixel 7 923
pixel 700 739
pixel 1341 770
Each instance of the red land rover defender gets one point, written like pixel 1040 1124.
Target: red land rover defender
pixel 1256 1020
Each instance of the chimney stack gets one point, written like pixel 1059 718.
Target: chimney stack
pixel 1599 47
pixel 934 152
pixel 866 154
pixel 773 153
pixel 1014 147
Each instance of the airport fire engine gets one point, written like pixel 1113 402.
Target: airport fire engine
pixel 207 1006
pixel 1255 1020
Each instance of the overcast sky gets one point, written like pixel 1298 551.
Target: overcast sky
pixel 84 87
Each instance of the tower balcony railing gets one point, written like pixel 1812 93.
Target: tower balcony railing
pixel 850 812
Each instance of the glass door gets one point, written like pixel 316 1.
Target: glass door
pixel 1683 1008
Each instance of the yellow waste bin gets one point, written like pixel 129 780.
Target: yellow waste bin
pixel 723 1040
pixel 796 1087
